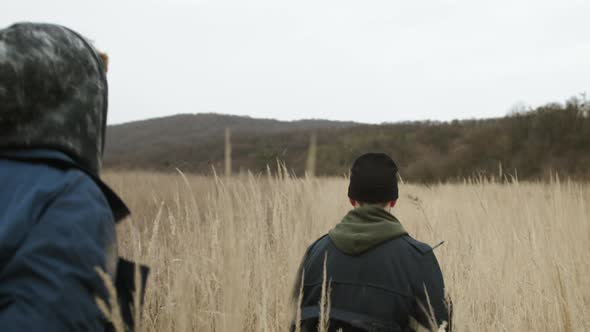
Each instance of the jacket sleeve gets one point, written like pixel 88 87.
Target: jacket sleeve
pixel 430 304
pixel 50 283
pixel 299 279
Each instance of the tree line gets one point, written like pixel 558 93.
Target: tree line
pixel 527 143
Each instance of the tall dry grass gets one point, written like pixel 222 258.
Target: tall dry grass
pixel 224 251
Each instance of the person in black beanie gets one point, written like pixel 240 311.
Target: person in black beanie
pixel 381 279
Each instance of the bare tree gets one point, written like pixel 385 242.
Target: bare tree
pixel 227 152
pixel 312 155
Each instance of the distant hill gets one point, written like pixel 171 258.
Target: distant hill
pixel 531 144
pixel 195 142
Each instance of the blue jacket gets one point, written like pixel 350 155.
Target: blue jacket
pixel 56 227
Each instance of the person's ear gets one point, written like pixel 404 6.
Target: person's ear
pixel 392 203
pixel 105 60
pixel 352 202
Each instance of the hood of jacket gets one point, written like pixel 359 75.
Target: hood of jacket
pixel 364 228
pixel 53 93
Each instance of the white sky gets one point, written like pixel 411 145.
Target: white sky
pixel 360 60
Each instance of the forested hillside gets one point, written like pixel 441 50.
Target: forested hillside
pixel 530 144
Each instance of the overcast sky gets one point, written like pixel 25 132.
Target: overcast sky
pixel 361 60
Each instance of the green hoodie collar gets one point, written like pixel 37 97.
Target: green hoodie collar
pixel 364 228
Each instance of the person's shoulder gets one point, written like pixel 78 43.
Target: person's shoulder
pixel 79 201
pixel 317 244
pixel 46 176
pixel 41 167
pixel 62 162
pixel 38 176
pixel 68 180
pixel 319 241
pixel 70 183
pixel 419 247
pixel 79 183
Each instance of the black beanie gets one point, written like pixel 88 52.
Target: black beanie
pixel 373 179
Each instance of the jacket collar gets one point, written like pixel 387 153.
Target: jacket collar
pixel 364 228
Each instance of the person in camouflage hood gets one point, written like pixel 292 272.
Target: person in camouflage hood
pixel 57 218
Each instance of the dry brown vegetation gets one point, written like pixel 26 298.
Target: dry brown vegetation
pixel 224 252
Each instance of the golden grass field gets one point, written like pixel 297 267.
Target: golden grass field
pixel 224 252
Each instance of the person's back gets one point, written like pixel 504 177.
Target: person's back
pixel 380 278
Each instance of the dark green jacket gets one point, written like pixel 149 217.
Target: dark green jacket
pixel 379 276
